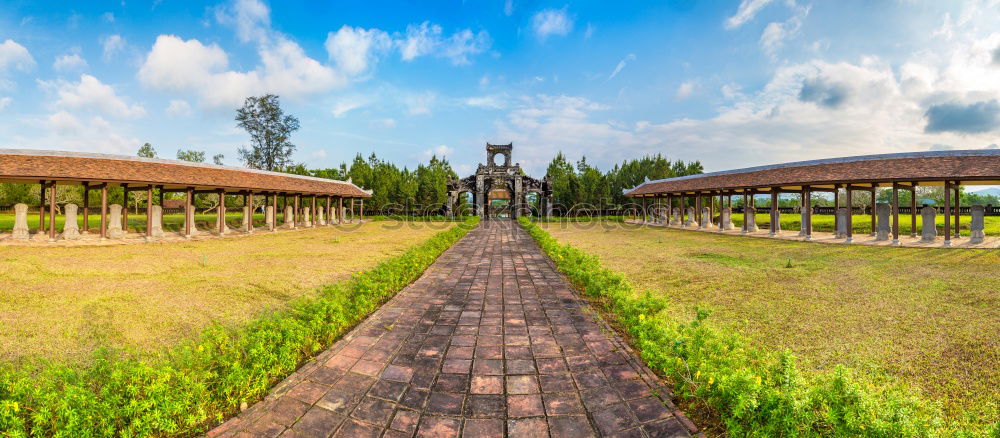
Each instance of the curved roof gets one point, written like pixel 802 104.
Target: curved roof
pixel 929 168
pixel 30 166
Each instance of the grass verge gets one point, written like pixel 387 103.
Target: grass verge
pixel 202 382
pixel 749 390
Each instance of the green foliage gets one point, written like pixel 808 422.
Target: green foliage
pixel 753 392
pixel 270 132
pixel 204 381
pixel 146 151
pixel 191 155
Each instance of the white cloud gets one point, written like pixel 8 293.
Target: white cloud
pixel 621 65
pixel 178 108
pixel 440 151
pixel 353 50
pixel 177 65
pixel 108 17
pixel 548 22
pixel 250 18
pixel 69 61
pixel 64 131
pixel 747 10
pixel 775 34
pixel 508 7
pixel 383 123
pixel 493 101
pixel 428 39
pixel 14 55
pixel 318 154
pixel 342 107
pixel 90 93
pixel 112 45
pixel 419 104
pixel 684 90
pixel 4 101
pixel 589 32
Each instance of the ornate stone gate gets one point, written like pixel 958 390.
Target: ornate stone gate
pixel 498 179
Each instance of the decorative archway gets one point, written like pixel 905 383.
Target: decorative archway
pixel 498 177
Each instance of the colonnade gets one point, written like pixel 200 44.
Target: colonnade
pixel 885 217
pixel 326 210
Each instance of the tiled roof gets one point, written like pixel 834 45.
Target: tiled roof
pixel 34 165
pixel 967 166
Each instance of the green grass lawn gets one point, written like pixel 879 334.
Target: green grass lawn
pixel 61 303
pixel 862 224
pixel 929 318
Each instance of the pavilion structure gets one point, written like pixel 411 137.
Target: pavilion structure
pixel 301 195
pixel 690 201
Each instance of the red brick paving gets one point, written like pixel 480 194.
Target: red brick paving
pixel 490 341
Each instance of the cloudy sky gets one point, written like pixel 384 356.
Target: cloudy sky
pixel 731 83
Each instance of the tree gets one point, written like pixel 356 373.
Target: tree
pixel 146 151
pixel 217 159
pixel 191 155
pixel 269 129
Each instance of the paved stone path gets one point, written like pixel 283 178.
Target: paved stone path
pixel 490 341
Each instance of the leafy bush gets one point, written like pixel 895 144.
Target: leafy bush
pixel 752 391
pixel 204 381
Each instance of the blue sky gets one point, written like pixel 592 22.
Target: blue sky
pixel 730 83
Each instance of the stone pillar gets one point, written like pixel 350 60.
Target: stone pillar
pixel 320 218
pixel 882 229
pixel 306 220
pixel 751 220
pixel 115 222
pixel 20 231
pixel 156 216
pixel 706 218
pixel 690 217
pixel 269 217
pixel 726 219
pixel 977 224
pixel 192 229
pixel 675 218
pixel 777 220
pixel 246 225
pixel 289 218
pixel 841 230
pixel 70 229
pixel 928 215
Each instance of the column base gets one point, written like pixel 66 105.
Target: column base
pixel 947 243
pixel 808 238
pixel 849 240
pixel 895 242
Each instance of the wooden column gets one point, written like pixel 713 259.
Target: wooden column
pixel 188 206
pixel 643 209
pixel 104 211
pixel 958 208
pixel 361 210
pixel 329 210
pixel 295 213
pixel 41 206
pixel 125 210
pixel 913 209
pixel 52 212
pixel 313 211
pixel 250 212
pixel 774 210
pixel 807 205
pixel 149 212
pixel 746 205
pixel 340 209
pixel 86 207
pixel 850 213
pixel 947 214
pixel 220 212
pixel 352 210
pixel 874 189
pixel 274 216
pixel 895 213
pixel 836 207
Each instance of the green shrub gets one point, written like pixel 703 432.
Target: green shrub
pixel 204 381
pixel 753 392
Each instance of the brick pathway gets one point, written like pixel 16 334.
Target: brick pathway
pixel 491 340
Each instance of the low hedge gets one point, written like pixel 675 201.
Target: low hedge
pixel 752 392
pixel 204 381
